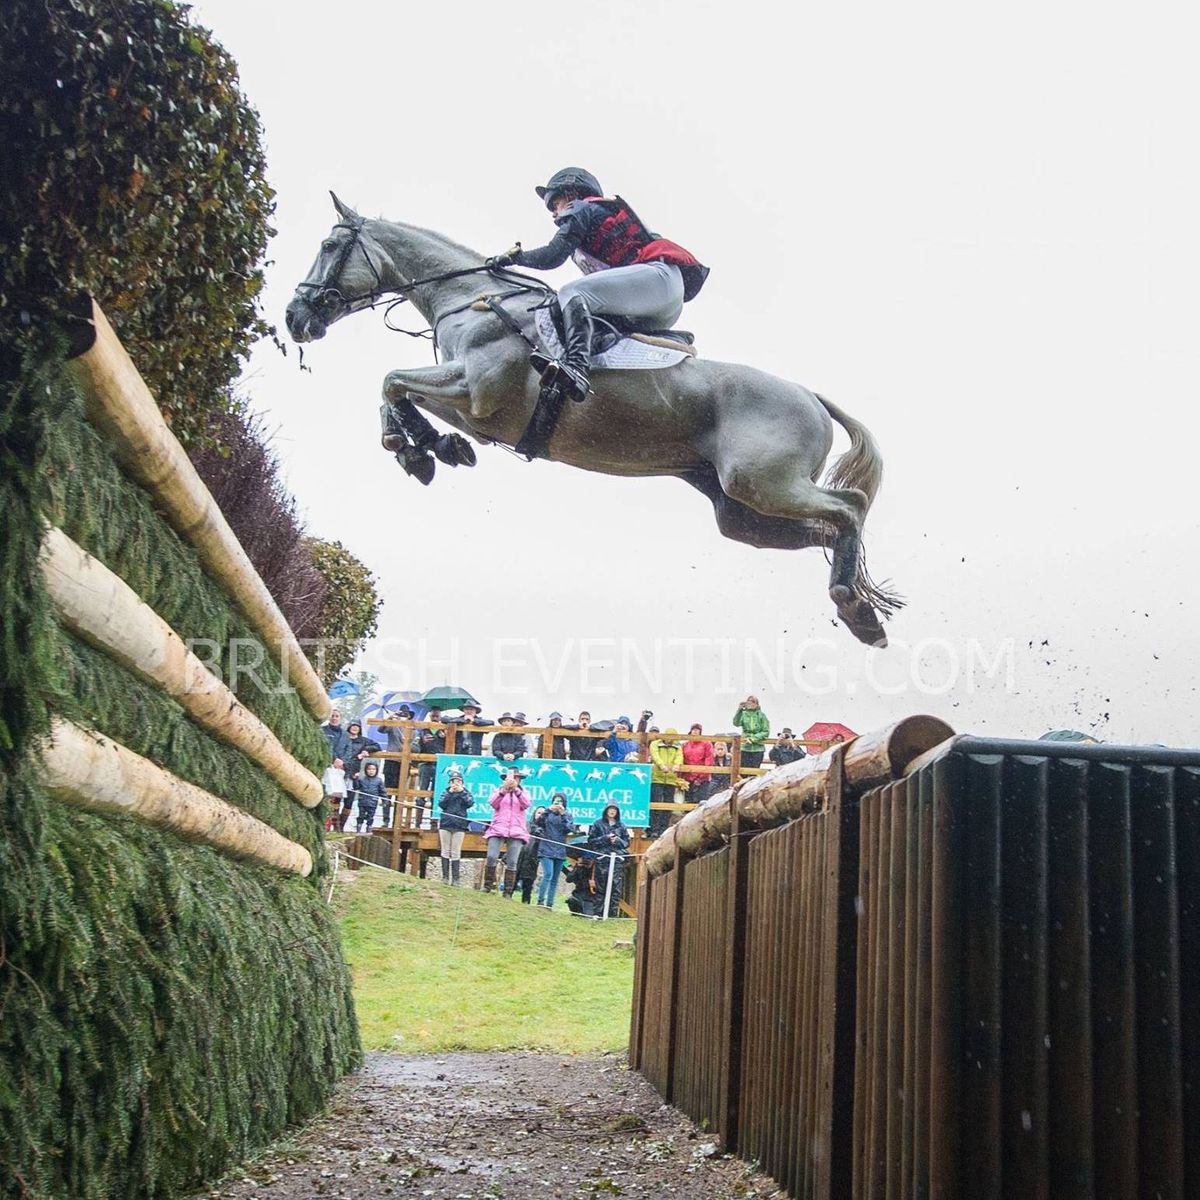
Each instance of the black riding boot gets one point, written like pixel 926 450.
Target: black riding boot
pixel 573 369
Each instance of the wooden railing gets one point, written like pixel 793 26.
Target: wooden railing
pixel 410 808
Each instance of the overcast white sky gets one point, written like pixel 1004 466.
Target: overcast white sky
pixel 976 231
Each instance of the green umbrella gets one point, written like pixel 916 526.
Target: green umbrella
pixel 447 697
pixel 1067 735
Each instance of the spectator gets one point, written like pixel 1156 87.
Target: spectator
pixel 508 746
pixel 753 723
pixel 370 792
pixel 645 717
pixel 358 748
pixel 339 743
pixel 527 862
pixel 558 745
pixel 509 803
pixel 334 782
pixel 469 741
pixel 397 735
pixel 606 837
pixel 721 758
pixel 555 829
pixel 665 755
pixel 698 754
pixel 619 745
pixel 584 900
pixel 454 805
pixel 583 749
pixel 786 750
pixel 429 741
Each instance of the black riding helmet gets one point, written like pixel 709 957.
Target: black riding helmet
pixel 573 179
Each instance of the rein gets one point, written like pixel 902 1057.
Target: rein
pixel 327 296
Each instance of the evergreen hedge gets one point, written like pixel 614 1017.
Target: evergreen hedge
pixel 134 170
pixel 165 1009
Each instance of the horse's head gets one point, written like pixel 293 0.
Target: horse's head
pixel 347 276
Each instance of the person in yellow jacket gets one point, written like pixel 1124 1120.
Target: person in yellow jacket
pixel 666 755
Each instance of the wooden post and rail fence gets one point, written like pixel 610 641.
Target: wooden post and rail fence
pixel 933 966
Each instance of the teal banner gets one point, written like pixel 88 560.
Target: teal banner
pixel 588 786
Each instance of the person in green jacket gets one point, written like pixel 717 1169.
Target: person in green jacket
pixel 755 726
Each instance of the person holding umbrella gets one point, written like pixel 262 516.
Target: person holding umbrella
pixel 469 741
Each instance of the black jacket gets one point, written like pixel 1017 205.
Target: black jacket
pixel 468 741
pixel 780 754
pixel 509 743
pixel 431 741
pixel 454 806
pixel 583 749
pixel 599 837
pixel 355 746
pixel 370 789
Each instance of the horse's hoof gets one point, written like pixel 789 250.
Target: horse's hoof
pixel 418 464
pixel 394 443
pixel 861 619
pixel 465 451
pixel 454 450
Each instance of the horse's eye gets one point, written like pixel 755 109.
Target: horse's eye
pixel 329 244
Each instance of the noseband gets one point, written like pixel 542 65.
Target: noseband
pixel 327 296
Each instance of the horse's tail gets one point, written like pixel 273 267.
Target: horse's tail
pixel 861 466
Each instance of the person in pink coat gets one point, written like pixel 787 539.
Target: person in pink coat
pixel 509 802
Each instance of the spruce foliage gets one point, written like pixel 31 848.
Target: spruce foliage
pixel 165 1009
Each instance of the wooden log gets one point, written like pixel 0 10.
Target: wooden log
pixel 800 787
pixel 92 772
pixel 121 407
pixel 102 608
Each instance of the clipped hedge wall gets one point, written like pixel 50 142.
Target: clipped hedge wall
pixel 165 1010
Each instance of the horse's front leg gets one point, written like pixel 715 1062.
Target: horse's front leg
pixel 408 434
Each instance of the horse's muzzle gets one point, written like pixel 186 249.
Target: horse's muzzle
pixel 303 321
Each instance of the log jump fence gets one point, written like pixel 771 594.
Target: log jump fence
pixel 84 768
pixel 934 966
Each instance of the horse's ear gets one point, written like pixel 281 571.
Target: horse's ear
pixel 343 210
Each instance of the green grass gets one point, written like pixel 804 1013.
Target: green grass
pixel 439 969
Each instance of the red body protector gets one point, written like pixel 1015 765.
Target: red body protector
pixel 621 240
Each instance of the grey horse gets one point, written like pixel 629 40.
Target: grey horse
pixel 755 445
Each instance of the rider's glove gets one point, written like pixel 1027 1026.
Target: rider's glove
pixel 498 261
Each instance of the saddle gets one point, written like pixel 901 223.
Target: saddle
pixel 619 343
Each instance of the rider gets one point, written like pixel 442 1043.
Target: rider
pixel 629 272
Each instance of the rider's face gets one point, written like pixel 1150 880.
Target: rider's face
pixel 561 202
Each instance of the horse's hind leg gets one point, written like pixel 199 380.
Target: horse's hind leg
pixel 778 489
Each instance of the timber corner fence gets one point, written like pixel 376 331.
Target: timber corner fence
pixel 934 966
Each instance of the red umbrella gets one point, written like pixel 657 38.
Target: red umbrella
pixel 828 731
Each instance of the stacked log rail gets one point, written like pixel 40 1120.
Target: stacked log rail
pixel 82 767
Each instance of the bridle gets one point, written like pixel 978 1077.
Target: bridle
pixel 327 297
pixel 329 301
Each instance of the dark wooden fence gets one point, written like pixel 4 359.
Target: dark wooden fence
pixel 979 980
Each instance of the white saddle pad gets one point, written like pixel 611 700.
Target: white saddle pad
pixel 626 355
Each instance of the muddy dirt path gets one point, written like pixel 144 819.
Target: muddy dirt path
pixel 515 1125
